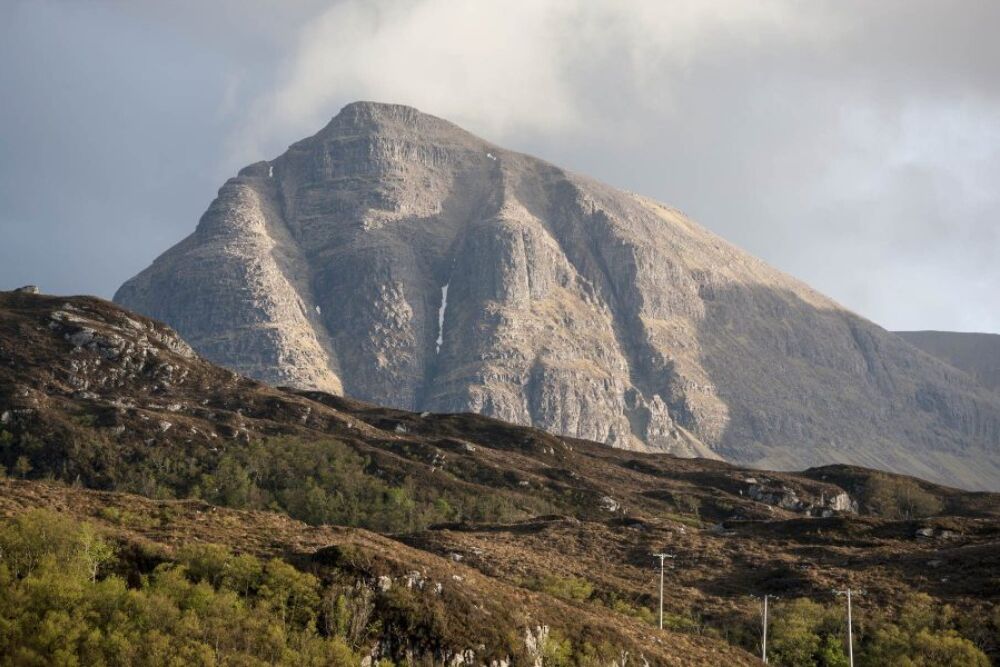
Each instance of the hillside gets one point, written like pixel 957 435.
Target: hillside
pixel 540 530
pixel 395 258
pixel 978 354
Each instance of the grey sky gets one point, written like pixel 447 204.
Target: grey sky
pixel 855 145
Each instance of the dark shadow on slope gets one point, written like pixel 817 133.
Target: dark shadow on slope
pixel 806 386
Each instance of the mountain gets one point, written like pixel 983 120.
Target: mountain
pixel 978 354
pixel 449 538
pixel 398 259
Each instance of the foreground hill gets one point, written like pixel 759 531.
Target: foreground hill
pixel 401 260
pixel 416 603
pixel 978 354
pixel 522 529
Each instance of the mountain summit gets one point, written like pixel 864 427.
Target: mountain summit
pixel 399 259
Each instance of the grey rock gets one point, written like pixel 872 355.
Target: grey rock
pixel 82 337
pixel 569 305
pixel 978 354
pixel 609 504
pixel 842 502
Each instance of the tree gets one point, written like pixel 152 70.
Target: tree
pixel 922 636
pixel 93 551
pixel 244 574
pixel 292 594
pixel 807 634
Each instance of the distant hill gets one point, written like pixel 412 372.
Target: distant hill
pixel 978 354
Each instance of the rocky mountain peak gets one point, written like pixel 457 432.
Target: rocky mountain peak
pixel 399 259
pixel 375 116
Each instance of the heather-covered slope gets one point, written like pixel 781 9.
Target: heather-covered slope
pixel 403 261
pixel 522 529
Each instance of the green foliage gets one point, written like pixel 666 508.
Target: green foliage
pixel 322 481
pixel 567 588
pixel 38 539
pixel 327 482
pixel 210 608
pixel 348 613
pixel 84 419
pixel 292 595
pixel 900 498
pixel 681 623
pixel 644 614
pixel 555 649
pixel 601 655
pixel 110 514
pixel 804 633
pixel 924 634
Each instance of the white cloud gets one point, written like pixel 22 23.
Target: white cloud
pixel 851 145
pixel 505 67
pixel 494 66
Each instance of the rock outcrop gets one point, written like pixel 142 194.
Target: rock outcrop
pixel 399 259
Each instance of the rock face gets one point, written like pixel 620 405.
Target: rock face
pixel 978 354
pixel 401 260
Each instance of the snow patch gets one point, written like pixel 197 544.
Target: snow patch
pixel 270 171
pixel 444 306
pixel 319 311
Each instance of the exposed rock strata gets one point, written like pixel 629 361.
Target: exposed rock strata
pixel 570 305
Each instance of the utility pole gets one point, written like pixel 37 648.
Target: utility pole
pixel 662 557
pixel 763 644
pixel 850 634
pixel 764 618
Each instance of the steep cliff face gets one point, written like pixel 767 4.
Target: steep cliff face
pixel 401 260
pixel 978 354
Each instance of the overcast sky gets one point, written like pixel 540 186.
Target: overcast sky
pixel 855 145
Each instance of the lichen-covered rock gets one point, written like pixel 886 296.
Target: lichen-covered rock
pixel 398 259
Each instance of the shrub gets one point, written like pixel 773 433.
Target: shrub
pixel 900 498
pixel 567 588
